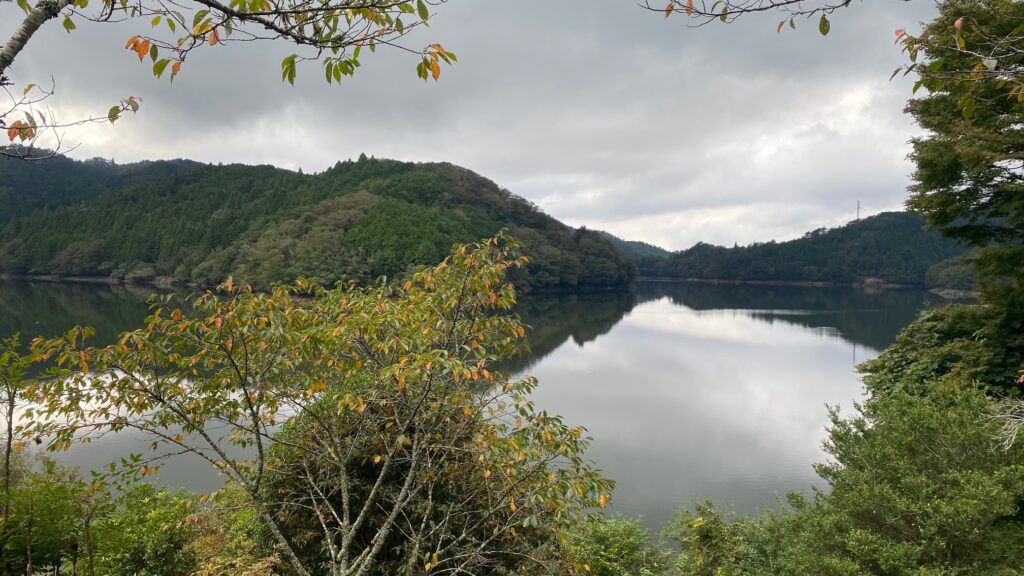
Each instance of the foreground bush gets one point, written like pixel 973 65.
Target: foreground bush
pixel 366 427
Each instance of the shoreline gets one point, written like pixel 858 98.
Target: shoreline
pixel 166 284
pixel 798 283
pixel 161 283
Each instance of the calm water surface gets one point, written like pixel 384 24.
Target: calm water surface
pixel 690 391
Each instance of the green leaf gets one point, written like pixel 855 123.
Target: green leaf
pixel 159 66
pixel 114 113
pixel 824 26
pixel 421 10
pixel 68 24
pixel 288 69
pixel 968 110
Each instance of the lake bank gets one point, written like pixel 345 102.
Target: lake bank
pixel 867 284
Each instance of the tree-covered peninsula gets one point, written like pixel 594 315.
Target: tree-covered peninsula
pixel 186 222
pixel 891 248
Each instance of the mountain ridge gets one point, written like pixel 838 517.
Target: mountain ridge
pixel 891 248
pixel 190 223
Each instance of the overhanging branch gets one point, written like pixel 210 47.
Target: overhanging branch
pixel 41 12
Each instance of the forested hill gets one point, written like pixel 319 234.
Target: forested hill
pixel 892 247
pixel 198 223
pixel 634 249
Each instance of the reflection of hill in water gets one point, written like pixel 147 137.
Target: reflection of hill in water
pixel 863 317
pixel 554 318
pixel 867 319
pixel 48 309
pixel 870 319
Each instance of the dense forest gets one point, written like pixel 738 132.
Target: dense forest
pixel 892 247
pixel 185 222
pixel 634 249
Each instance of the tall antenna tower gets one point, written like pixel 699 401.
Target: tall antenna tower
pixel 858 209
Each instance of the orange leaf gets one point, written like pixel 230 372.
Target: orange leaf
pixel 778 28
pixel 131 42
pixel 142 49
pixel 213 39
pixel 668 9
pixel 959 23
pixel 689 7
pixel 435 69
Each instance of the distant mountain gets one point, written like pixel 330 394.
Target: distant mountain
pixel 60 181
pixel 188 222
pixel 892 247
pixel 634 249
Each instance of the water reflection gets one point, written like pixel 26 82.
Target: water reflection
pixel 704 391
pixel 551 319
pixel 868 318
pixel 690 391
pixel 49 309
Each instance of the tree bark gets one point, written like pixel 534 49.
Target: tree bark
pixel 8 448
pixel 282 540
pixel 44 10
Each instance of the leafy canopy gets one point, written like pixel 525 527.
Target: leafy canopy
pixel 374 413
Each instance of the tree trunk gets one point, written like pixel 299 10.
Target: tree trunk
pixel 41 12
pixel 282 540
pixel 8 448
pixel 28 537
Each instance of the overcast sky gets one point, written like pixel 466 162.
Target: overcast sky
pixel 602 113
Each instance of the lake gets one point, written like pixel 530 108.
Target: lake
pixel 690 391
